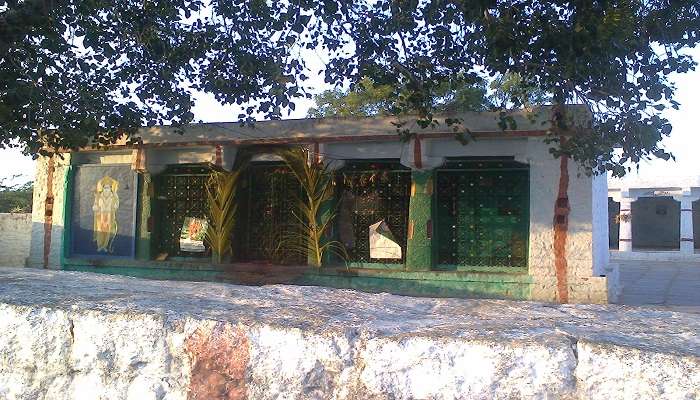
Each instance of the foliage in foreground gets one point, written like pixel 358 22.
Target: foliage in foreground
pixel 318 187
pixel 76 70
pixel 222 208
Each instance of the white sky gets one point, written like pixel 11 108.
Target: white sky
pixel 684 141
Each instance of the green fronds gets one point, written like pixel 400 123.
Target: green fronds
pixel 318 186
pixel 221 199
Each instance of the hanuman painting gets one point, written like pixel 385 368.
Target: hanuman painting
pixel 105 213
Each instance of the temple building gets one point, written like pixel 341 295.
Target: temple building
pixel 483 212
pixel 655 218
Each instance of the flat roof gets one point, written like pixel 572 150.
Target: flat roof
pixel 531 122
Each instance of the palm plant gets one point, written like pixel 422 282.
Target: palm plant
pixel 221 199
pixel 318 187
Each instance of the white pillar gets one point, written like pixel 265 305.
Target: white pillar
pixel 625 217
pixel 687 244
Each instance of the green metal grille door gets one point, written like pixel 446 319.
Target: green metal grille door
pixel 373 191
pixel 483 214
pixel 272 233
pixel 180 193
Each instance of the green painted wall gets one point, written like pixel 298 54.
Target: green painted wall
pixel 410 283
pixel 419 253
pixel 67 213
pixel 426 283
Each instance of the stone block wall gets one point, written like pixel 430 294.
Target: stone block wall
pixel 89 336
pixel 15 235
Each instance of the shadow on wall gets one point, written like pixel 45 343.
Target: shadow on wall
pixel 15 238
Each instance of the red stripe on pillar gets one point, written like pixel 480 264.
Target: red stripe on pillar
pixel 417 153
pixel 317 153
pixel 561 226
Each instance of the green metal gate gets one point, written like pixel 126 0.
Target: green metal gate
pixel 269 228
pixel 482 214
pixel 180 192
pixel 373 191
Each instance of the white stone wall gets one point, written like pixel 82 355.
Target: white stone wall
pixel 15 235
pixel 74 336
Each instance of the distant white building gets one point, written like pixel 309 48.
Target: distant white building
pixel 654 218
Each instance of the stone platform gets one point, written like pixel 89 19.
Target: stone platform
pixel 69 335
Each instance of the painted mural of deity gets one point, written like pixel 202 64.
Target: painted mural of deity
pixel 105 213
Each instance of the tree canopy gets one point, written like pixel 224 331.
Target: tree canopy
pixel 366 98
pixel 16 198
pixel 369 99
pixel 75 70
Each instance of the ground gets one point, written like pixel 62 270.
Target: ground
pixel 70 335
pixel 674 285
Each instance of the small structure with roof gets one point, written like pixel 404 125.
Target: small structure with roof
pixel 655 218
pixel 498 216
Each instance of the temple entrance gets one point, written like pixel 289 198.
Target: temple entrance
pixel 482 214
pixel 268 229
pixel 180 205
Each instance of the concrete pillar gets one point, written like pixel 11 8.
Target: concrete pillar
pixel 687 243
pixel 419 252
pixel 625 223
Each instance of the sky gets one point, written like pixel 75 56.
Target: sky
pixel 684 141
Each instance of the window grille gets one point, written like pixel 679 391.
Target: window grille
pixel 482 214
pixel 370 192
